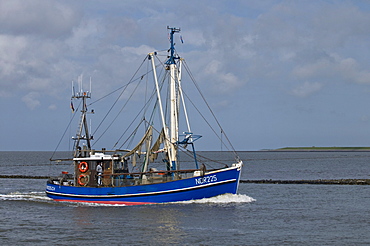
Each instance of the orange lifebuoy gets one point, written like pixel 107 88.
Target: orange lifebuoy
pixel 83 180
pixel 83 167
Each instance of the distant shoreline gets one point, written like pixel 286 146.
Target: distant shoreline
pixel 285 149
pixel 322 149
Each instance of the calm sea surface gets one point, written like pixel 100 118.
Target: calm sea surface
pixel 261 214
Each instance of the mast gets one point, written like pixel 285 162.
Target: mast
pixel 159 98
pixel 174 104
pixel 83 130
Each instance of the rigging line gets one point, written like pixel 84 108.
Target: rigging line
pixel 204 118
pixel 131 81
pixel 154 128
pixel 69 124
pixel 156 104
pixel 118 112
pixel 132 134
pixel 165 50
pixel 132 122
pixel 125 87
pixel 177 84
pixel 209 108
pixel 210 160
pixel 146 94
pixel 160 74
pixel 201 158
pixel 143 108
pixel 164 78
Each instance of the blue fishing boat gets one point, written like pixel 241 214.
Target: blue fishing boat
pixel 163 165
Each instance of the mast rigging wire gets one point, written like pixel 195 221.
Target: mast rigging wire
pixel 65 131
pixel 125 87
pixel 209 108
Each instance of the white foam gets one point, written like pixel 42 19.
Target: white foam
pixel 223 199
pixel 41 197
pixel 29 196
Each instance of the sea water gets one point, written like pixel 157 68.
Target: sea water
pixel 260 214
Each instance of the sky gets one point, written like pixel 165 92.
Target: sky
pixel 277 73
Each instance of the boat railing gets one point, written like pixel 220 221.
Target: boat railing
pixel 150 177
pixel 120 179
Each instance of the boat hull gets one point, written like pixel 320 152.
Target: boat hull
pixel 210 185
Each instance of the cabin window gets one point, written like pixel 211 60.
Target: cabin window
pixel 106 165
pixel 117 165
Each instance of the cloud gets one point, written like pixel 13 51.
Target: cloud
pixel 52 107
pixel 333 68
pixel 31 100
pixel 339 24
pixel 84 35
pixel 45 44
pixel 32 48
pixel 222 82
pixel 306 89
pixel 46 18
pixel 141 50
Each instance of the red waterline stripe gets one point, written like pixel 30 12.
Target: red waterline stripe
pixel 106 202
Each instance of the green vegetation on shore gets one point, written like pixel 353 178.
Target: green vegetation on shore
pixel 313 148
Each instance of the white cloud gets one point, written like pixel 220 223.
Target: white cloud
pixel 193 37
pixel 274 46
pixel 222 82
pixel 47 18
pixel 333 68
pixel 306 89
pixel 11 48
pixel 52 107
pixel 84 35
pixel 32 46
pixel 140 51
pixel 31 100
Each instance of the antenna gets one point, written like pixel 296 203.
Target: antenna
pixel 80 83
pixel 73 89
pixel 172 58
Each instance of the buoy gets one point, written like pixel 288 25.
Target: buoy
pixel 83 167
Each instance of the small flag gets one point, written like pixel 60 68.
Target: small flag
pixel 182 41
pixel 73 109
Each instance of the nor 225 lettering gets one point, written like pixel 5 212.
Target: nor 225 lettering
pixel 206 179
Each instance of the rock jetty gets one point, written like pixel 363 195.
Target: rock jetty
pixel 316 181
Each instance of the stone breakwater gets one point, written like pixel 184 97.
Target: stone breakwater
pixel 316 181
pixel 22 177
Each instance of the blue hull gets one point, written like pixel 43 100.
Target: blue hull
pixel 212 184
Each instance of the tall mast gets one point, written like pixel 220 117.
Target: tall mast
pixel 159 98
pixel 83 129
pixel 174 104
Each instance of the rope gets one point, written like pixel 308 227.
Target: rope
pixel 125 87
pixel 209 108
pixel 69 124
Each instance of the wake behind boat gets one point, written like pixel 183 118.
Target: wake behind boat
pixel 152 171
